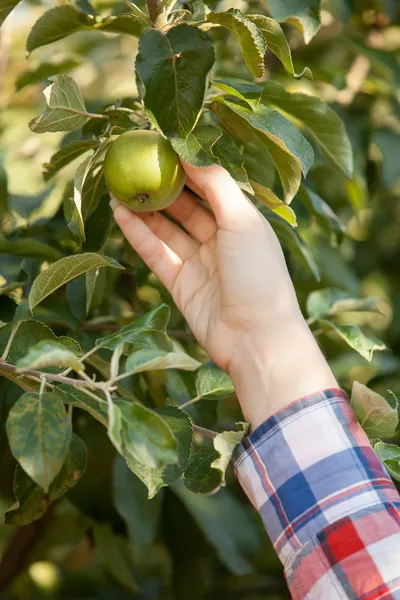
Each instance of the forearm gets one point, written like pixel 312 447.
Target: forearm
pixel 278 366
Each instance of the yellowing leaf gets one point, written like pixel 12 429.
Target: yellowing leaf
pixel 376 416
pixel 49 353
pixel 225 444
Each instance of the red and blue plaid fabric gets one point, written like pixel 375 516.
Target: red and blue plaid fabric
pixel 327 502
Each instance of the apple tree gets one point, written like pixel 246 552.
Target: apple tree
pixel 117 431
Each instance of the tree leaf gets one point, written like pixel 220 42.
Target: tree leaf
pixel 294 243
pixel 140 514
pixel 32 501
pixel 147 333
pixel 289 149
pixel 122 23
pixel 226 524
pixel 30 248
pixel 156 478
pixel 39 433
pixel 6 6
pixel 56 24
pixel 213 383
pixel 324 215
pixel 149 360
pixel 376 416
pixel 354 337
pixel 228 155
pixel 140 434
pixel 303 14
pixel 66 155
pixel 320 121
pixel 115 555
pixel 75 397
pixel 173 69
pixel 251 40
pixel 277 43
pixel 64 105
pixel 225 444
pixel 63 271
pixel 196 147
pixel 267 197
pixel 333 301
pixel 390 456
pixel 247 91
pixel 49 353
pixel 44 70
pixel 199 477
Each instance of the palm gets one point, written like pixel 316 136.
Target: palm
pixel 217 275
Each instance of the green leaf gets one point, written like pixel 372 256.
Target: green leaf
pixel 290 151
pixel 6 6
pixel 173 69
pixel 149 360
pixel 246 91
pixel 123 23
pixel 277 43
pixel 199 477
pixel 181 427
pixel 225 444
pixel 324 215
pixel 147 333
pixel 30 248
pixel 333 301
pixel 390 456
pixel 63 271
pixel 30 332
pixel 64 105
pixel 76 397
pixel 213 383
pixel 66 155
pixel 319 120
pixel 226 524
pixel 251 40
pixel 49 353
pixel 294 243
pixel 140 434
pixel 354 337
pixel 39 433
pixel 140 514
pixel 32 501
pixel 228 155
pixel 305 15
pixel 115 555
pixel 44 70
pixel 376 416
pixel 56 24
pixel 196 147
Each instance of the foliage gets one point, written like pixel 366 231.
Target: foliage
pixel 106 400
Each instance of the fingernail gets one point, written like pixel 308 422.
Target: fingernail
pixel 114 203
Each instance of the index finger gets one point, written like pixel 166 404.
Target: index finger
pixel 230 206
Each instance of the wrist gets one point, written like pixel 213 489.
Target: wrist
pixel 276 366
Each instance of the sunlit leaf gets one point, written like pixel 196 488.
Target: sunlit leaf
pixel 333 301
pixel 376 416
pixel 149 360
pixel 247 91
pixel 213 383
pixel 56 24
pixel 303 14
pixel 49 353
pixel 63 271
pixel 390 456
pixel 354 337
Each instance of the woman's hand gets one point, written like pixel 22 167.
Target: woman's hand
pixel 227 274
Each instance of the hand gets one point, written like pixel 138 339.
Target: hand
pixel 228 276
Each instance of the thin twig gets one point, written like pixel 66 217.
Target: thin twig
pixel 190 402
pixel 205 432
pixel 50 376
pixel 84 357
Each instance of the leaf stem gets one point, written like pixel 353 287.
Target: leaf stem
pixel 190 402
pixel 205 432
pixel 84 357
pixel 10 341
pixel 49 376
pixel 83 113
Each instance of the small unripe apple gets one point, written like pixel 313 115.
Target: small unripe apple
pixel 143 171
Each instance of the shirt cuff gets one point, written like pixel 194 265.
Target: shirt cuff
pixel 308 466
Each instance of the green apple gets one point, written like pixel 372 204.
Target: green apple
pixel 143 171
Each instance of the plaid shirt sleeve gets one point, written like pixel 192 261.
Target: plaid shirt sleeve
pixel 327 502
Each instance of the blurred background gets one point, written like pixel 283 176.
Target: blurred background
pixel 212 547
